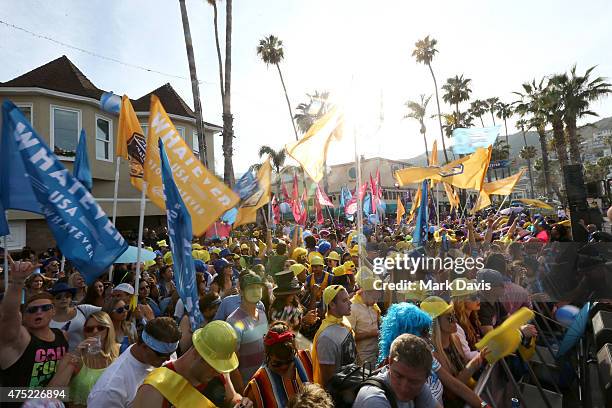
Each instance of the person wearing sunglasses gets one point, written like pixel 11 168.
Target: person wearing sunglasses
pixel 118 385
pixel 125 331
pixel 285 371
pixel 448 351
pixel 81 368
pixel 68 317
pixel 29 348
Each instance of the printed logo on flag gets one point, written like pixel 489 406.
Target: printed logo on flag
pixel 453 171
pixel 137 147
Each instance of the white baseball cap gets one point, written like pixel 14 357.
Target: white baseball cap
pixel 124 287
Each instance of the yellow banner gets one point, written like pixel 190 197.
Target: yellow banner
pixel 131 143
pixel 247 213
pixel 400 211
pixel 536 203
pixel 311 150
pixel 466 172
pixel 483 202
pixel 453 198
pixel 503 186
pixel 205 196
pixel 416 203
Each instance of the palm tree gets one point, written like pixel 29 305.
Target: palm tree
pixel 504 112
pixel 197 104
pixel 307 113
pixel 554 110
pixel 477 109
pixel 527 152
pixel 500 151
pixel 456 90
pixel 531 103
pixel 270 49
pixel 225 80
pixel 278 158
pixel 492 106
pixel 424 52
pixel 417 111
pixel 578 91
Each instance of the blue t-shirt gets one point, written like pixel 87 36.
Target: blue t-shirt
pixel 229 304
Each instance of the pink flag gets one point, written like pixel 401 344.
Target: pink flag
pixel 218 229
pixel 275 210
pixel 285 193
pixel 318 212
pixel 322 198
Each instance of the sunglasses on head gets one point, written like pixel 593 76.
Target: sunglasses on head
pixel 121 309
pixel 42 308
pixel 92 329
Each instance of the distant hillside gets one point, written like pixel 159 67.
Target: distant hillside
pixel 516 141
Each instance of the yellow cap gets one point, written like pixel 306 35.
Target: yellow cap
pixel 297 269
pixel 334 256
pixel 216 344
pixel 354 251
pixel 316 260
pixel 368 283
pixel 216 251
pixel 339 271
pixel 349 266
pixel 298 252
pixel 244 246
pixel 149 248
pixel 312 255
pixel 162 243
pixel 463 287
pixel 196 246
pixel 330 293
pixel 435 306
pixel 168 258
pixel 204 255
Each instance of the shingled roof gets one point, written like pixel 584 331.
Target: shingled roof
pixel 58 75
pixel 63 76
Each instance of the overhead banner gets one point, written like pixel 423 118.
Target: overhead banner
pixel 84 234
pixel 205 196
pixel 466 141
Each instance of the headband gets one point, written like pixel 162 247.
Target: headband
pixel 159 346
pixel 273 337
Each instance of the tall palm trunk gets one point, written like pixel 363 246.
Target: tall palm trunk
pixel 574 146
pixel 560 148
pixel 280 74
pixel 228 119
pixel 481 121
pixel 545 161
pixel 215 17
pixel 426 149
pixel 439 113
pixel 506 127
pixel 528 164
pixel 197 104
pixel 493 117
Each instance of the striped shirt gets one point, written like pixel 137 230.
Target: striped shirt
pixel 269 390
pixel 250 334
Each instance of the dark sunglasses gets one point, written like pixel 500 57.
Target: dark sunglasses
pixel 281 363
pixel 451 318
pixel 473 298
pixel 91 329
pixel 121 309
pixel 36 309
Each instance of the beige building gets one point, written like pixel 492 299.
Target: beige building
pixel 59 100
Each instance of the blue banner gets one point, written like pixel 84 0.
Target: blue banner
pixel 4 228
pixel 84 234
pixel 246 185
pixel 499 164
pixel 82 170
pixel 466 141
pixel 419 236
pixel 180 234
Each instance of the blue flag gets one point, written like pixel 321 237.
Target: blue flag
pixel 33 179
pixel 180 234
pixel 81 163
pixel 367 205
pixel 4 228
pixel 419 236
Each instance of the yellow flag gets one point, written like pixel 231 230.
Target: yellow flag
pixel 247 212
pixel 205 196
pixel 400 211
pixel 416 203
pixel 503 186
pixel 311 150
pixel 453 198
pixel 536 203
pixel 466 172
pixel 482 202
pixel 131 143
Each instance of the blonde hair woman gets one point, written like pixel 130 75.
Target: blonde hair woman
pixel 466 304
pixel 124 329
pixel 81 368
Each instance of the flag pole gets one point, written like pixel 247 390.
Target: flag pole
pixel 438 202
pixel 116 193
pixel 5 266
pixel 63 264
pixel 501 205
pixel 143 204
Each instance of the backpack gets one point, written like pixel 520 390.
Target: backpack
pixel 346 383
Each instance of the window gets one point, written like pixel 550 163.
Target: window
pixel 195 145
pixel 26 109
pixel 104 138
pixel 65 127
pixel 181 131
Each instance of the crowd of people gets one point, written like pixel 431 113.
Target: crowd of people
pixel 287 310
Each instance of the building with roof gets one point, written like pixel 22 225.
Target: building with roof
pixel 59 100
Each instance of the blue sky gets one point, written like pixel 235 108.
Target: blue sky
pixel 328 44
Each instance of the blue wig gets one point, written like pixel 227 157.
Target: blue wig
pixel 401 318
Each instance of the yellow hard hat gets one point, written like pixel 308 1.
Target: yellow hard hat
pixel 297 269
pixel 435 306
pixel 369 283
pixel 339 271
pixel 354 251
pixel 216 344
pixel 216 251
pixel 244 246
pixel 168 258
pixel 349 266
pixel 162 243
pixel 204 255
pixel 312 255
pixel 297 252
pixel 316 260
pixel 334 256
pixel 196 246
pixel 463 287
pixel 330 293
